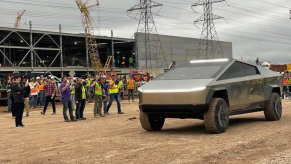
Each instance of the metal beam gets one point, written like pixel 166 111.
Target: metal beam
pixel 6 37
pixel 31 46
pixel 39 58
pixel 112 48
pixel 22 38
pixel 39 39
pixel 61 50
pixel 14 47
pixel 53 40
pixel 54 59
pixel 23 58
pixel 6 57
pixel 87 54
pixel 43 48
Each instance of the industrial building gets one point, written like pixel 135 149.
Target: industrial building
pixel 28 50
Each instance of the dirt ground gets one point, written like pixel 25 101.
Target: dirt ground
pixel 117 139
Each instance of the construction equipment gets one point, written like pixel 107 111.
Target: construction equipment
pixel 89 32
pixel 18 19
pixel 107 64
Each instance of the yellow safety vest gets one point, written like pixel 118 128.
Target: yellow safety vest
pixel 98 90
pixel 114 88
pixel 89 80
pixel 83 93
pixel 73 89
pixel 120 84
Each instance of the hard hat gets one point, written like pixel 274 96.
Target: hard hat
pixel 282 73
pixel 37 78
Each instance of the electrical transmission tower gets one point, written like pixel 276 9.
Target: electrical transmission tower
pixel 148 46
pixel 209 46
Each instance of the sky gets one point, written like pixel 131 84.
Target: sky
pixel 256 28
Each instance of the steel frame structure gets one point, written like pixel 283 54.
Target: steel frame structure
pixel 30 45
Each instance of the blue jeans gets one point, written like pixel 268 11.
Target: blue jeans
pixel 33 101
pixel 41 96
pixel 9 101
pixel 66 105
pixel 112 97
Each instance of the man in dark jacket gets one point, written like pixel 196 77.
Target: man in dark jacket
pixel 18 93
pixel 80 97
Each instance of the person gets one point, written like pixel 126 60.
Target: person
pixel 18 89
pixel 50 91
pixel 66 100
pixel 130 88
pixel 13 109
pixel 97 97
pixel 72 89
pixel 33 93
pixel 105 88
pixel 88 88
pixel 26 97
pixel 8 87
pixel 113 91
pixel 41 94
pixel 80 93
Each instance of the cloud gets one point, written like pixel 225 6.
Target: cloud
pixel 265 23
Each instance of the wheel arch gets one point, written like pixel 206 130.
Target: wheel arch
pixel 270 89
pixel 217 93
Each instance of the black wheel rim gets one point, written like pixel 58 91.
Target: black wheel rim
pixel 278 107
pixel 222 116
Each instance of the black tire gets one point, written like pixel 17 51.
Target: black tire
pixel 151 122
pixel 216 119
pixel 273 110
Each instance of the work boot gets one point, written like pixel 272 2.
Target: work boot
pixel 101 115
pixel 42 113
pixel 95 115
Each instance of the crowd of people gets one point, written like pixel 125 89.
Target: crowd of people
pixel 74 92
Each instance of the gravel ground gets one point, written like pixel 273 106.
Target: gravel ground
pixel 120 139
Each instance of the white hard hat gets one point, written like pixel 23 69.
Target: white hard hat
pixel 37 78
pixel 282 73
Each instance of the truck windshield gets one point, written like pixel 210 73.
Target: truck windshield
pixel 198 72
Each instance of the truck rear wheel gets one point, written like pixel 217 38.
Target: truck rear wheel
pixel 216 119
pixel 151 122
pixel 273 110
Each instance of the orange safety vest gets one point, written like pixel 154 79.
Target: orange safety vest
pixel 40 87
pixel 130 84
pixel 34 90
pixel 285 81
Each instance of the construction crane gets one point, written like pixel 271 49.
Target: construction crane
pixel 18 19
pixel 89 32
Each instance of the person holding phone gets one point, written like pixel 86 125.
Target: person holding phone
pixel 18 93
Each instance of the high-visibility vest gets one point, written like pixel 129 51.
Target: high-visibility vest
pixel 120 84
pixel 89 80
pixel 285 81
pixel 73 89
pixel 98 90
pixel 131 84
pixel 35 89
pixel 40 86
pixel 83 93
pixel 113 88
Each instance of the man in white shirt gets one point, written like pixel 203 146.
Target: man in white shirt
pixel 33 93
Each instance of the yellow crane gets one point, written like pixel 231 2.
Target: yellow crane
pixel 18 19
pixel 89 32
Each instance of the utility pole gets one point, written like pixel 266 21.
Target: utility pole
pixel 209 46
pixel 148 46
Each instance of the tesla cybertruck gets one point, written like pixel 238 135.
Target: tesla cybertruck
pixel 211 90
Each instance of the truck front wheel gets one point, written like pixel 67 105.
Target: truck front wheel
pixel 216 119
pixel 151 122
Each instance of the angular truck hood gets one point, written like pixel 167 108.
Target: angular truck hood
pixel 168 86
